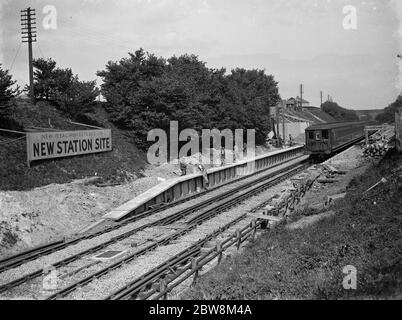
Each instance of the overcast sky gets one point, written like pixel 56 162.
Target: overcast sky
pixel 296 41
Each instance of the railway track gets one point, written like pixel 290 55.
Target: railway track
pixel 46 249
pixel 146 281
pixel 206 214
pixel 162 279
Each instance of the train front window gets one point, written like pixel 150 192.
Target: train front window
pixel 311 135
pixel 325 134
pixel 317 135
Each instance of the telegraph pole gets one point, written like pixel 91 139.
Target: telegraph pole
pixel 283 126
pixel 277 125
pixel 28 22
pixel 321 99
pixel 301 97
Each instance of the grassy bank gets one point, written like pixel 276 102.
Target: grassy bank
pixel 366 232
pixel 116 166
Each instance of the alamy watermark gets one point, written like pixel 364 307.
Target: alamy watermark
pixel 231 145
pixel 350 20
pixel 49 22
pixel 350 280
pixel 50 278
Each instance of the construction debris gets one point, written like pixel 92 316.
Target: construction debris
pixel 327 180
pixel 379 143
pixel 307 221
pixel 330 168
pixel 376 149
pixel 335 197
pixel 383 180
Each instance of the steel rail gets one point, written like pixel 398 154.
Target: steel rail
pixel 205 216
pixel 46 249
pixel 137 285
pixel 167 220
pixel 148 279
pixel 203 259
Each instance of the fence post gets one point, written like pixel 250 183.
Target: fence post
pixel 238 237
pixel 254 227
pixel 194 267
pixel 162 288
pixel 220 251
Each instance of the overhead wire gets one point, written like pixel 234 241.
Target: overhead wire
pixel 15 57
pixel 40 51
pixel 12 141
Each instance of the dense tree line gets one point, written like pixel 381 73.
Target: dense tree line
pixel 144 92
pixel 339 113
pixel 388 115
pixel 62 88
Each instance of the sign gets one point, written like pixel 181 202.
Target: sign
pixel 46 145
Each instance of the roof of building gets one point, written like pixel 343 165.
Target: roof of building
pixel 323 126
pixel 297 99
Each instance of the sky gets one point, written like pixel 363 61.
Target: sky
pixel 295 41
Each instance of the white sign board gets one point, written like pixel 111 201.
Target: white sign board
pixel 46 145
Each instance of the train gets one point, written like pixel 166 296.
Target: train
pixel 328 138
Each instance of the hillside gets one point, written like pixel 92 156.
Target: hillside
pixel 311 114
pixel 123 163
pixel 302 260
pixel 317 112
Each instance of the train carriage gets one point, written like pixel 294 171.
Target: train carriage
pixel 327 138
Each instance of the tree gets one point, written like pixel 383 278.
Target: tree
pixel 63 88
pixel 252 92
pixel 339 113
pixel 7 92
pixel 123 80
pixel 388 115
pixel 145 92
pixel 44 82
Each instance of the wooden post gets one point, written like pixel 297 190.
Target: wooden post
pixel 28 153
pixel 194 267
pixel 162 288
pixel 366 134
pixel 238 237
pixel 283 127
pixel 277 126
pixel 253 225
pixel 220 251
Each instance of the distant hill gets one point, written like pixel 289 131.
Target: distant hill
pixel 123 163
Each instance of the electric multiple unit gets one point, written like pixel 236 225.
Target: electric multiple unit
pixel 327 138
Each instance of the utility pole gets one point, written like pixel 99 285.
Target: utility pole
pixel 283 125
pixel 277 124
pixel 321 99
pixel 28 22
pixel 301 97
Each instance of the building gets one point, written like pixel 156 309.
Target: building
pixel 294 104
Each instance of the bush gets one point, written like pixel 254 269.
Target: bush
pixel 7 92
pixel 145 92
pixel 388 116
pixel 339 113
pixel 63 88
